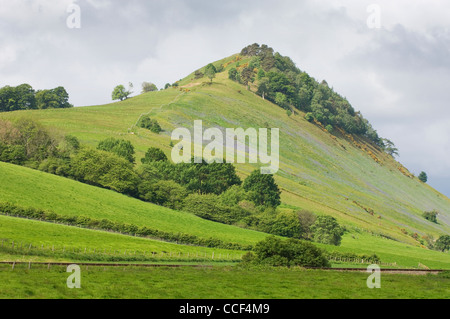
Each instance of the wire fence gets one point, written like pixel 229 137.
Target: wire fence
pixel 111 254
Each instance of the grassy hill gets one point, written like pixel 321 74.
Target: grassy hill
pixel 346 176
pixel 340 175
pixel 375 197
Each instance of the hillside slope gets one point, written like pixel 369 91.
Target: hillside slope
pixel 339 175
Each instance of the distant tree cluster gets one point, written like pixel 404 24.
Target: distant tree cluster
pixel 280 81
pixel 24 97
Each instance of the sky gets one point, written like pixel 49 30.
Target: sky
pixel 390 59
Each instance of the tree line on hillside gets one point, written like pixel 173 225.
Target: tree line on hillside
pixel 211 191
pixel 279 80
pixel 24 97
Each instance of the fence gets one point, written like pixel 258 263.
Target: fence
pixel 360 261
pixel 104 254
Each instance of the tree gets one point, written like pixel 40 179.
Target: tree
pixel 168 85
pixel 247 75
pixel 119 147
pixel 263 87
pixel 210 71
pixel 306 219
pixel 148 87
pixel 38 143
pixel 120 93
pixel 327 231
pixel 54 98
pixel 154 154
pixel 389 147
pixel 423 177
pixel 264 190
pixel 443 243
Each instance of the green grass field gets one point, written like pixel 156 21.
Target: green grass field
pixel 215 283
pixel 54 237
pixel 31 188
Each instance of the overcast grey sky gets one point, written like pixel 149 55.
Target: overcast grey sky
pixel 397 75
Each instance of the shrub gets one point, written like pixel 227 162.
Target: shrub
pixel 291 252
pixel 309 117
pixel 431 216
pixel 165 193
pixel 149 124
pixel 209 207
pixel 56 166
